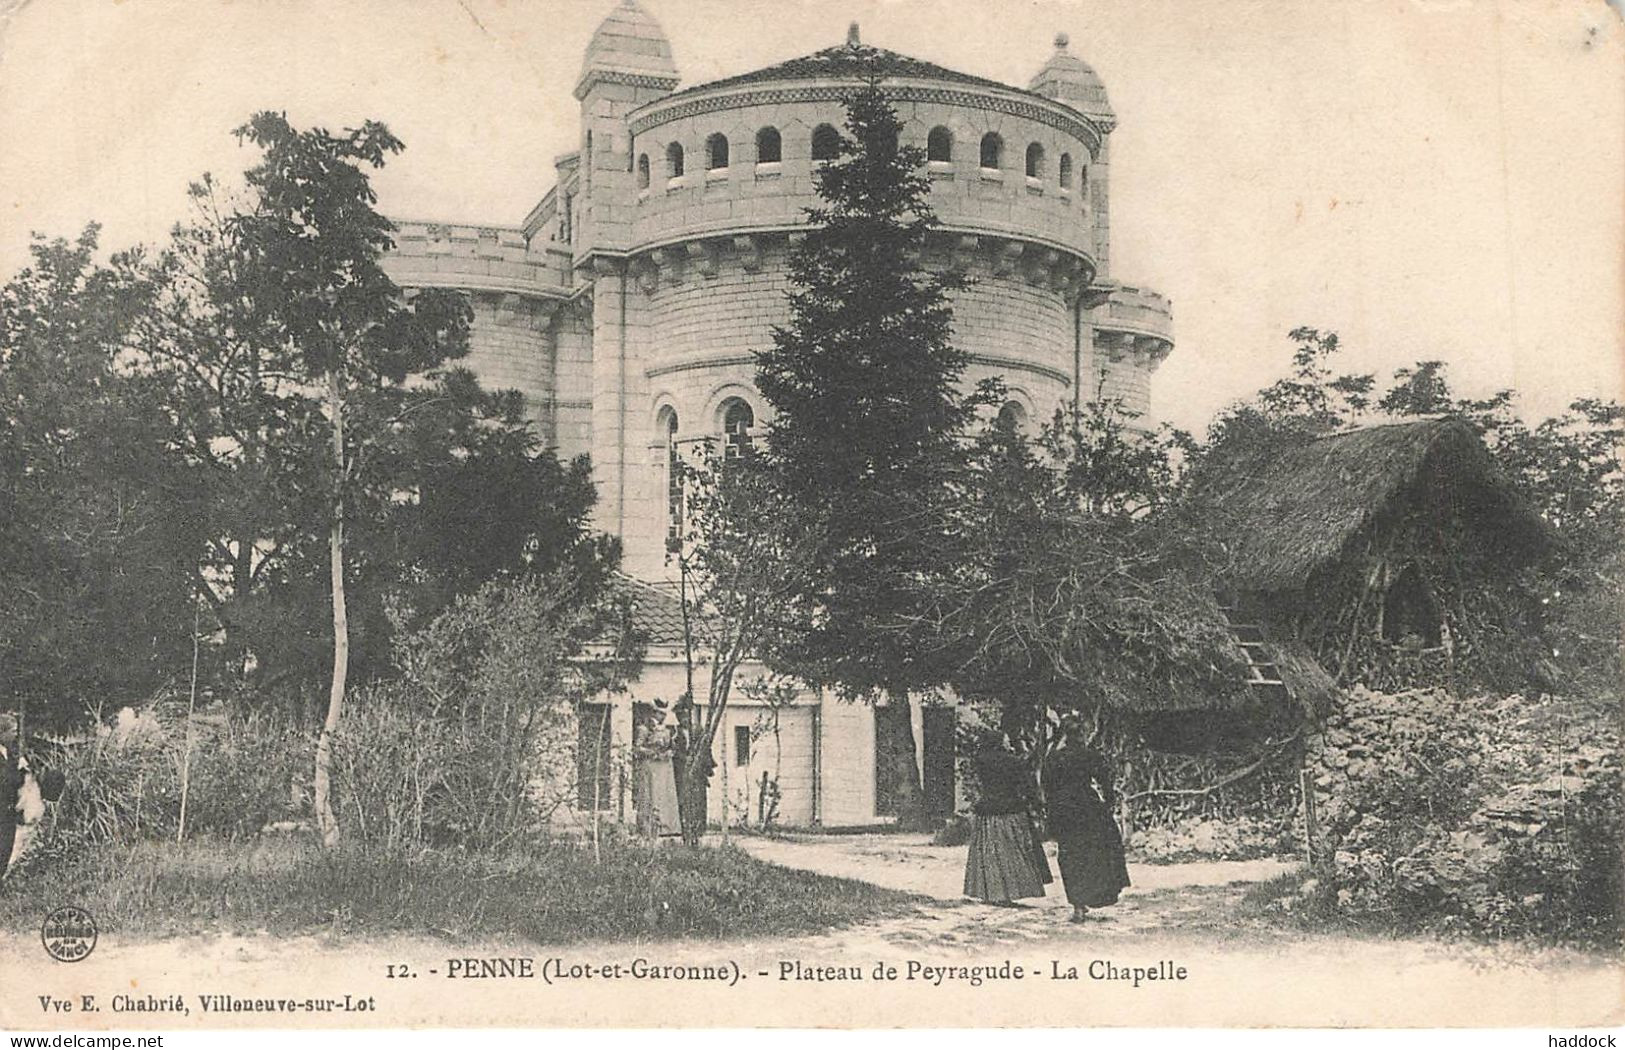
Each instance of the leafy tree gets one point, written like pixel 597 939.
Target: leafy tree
pixel 1419 391
pixel 311 249
pixel 863 381
pixel 744 565
pixel 455 493
pixel 246 425
pixel 1309 402
pixel 1571 467
pixel 201 368
pixel 1084 600
pixel 491 503
pixel 97 530
pixel 1108 470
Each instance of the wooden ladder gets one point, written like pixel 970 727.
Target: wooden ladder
pixel 1262 671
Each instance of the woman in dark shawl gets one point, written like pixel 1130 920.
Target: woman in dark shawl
pixel 1005 862
pixel 1080 798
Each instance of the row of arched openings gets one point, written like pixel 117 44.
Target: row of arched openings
pixel 991 156
pixel 826 145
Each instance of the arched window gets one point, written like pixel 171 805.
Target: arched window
pixel 666 427
pixel 826 142
pixel 939 145
pixel 1035 161
pixel 1066 171
pixel 1013 414
pixel 643 171
pixel 769 148
pixel 674 160
pixel 992 151
pixel 716 152
pixel 737 421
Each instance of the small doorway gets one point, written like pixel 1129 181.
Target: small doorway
pixel 1410 612
pixel 940 723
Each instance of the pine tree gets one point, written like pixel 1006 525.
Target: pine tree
pixel 868 420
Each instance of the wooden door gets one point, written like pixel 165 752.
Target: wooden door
pixel 939 762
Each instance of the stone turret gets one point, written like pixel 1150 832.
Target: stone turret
pixel 628 64
pixel 629 47
pixel 1067 78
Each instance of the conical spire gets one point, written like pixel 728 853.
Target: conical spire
pixel 1067 78
pixel 628 47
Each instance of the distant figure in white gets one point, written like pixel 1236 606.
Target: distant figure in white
pixel 652 743
pixel 23 796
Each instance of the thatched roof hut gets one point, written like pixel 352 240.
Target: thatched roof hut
pixel 1387 550
pixel 1290 514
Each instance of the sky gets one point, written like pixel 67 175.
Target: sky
pixel 1428 178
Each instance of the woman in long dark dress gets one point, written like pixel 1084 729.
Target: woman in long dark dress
pixel 1080 801
pixel 1005 861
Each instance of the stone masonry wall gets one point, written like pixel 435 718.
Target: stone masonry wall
pixel 511 348
pixel 702 318
pixel 1127 378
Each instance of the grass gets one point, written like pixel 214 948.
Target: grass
pixel 1312 914
pixel 553 893
pixel 1317 912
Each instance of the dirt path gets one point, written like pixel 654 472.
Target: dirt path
pixel 1168 897
pixel 1215 967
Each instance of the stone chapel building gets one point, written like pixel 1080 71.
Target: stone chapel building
pixel 627 305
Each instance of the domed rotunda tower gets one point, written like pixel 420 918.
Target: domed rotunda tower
pixel 629 303
pixel 627 306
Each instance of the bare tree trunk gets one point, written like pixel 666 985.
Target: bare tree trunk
pixel 899 764
pixel 693 778
pixel 326 820
pixel 726 801
pixel 191 709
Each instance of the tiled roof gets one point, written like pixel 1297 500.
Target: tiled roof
pixel 656 609
pixel 851 62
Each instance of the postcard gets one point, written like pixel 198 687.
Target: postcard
pixel 774 514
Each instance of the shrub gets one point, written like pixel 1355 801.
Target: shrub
pixel 475 741
pixel 1489 816
pixel 124 780
pixel 402 778
pixel 390 771
pixel 247 770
